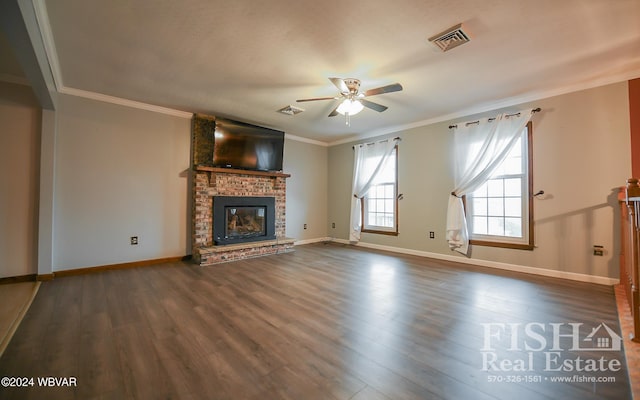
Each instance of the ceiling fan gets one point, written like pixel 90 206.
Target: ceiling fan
pixel 352 101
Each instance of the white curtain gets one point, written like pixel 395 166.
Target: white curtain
pixel 369 160
pixel 479 149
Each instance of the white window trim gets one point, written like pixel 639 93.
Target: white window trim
pixel 393 230
pixel 527 241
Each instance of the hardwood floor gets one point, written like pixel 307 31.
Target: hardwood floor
pixel 15 299
pixel 325 322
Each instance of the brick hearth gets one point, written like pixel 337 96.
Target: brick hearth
pixel 209 182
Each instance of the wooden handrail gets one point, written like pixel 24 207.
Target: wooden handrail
pixel 630 249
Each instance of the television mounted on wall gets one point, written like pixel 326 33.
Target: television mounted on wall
pixel 244 146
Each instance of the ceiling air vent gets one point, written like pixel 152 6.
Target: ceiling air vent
pixel 451 38
pixel 290 110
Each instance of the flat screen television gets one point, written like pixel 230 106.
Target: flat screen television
pixel 245 146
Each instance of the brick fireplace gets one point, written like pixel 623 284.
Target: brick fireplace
pixel 223 183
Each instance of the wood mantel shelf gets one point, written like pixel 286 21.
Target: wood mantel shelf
pixel 242 171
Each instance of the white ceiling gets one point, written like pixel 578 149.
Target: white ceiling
pixel 246 59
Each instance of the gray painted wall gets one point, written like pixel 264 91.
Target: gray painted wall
pixel 581 156
pixel 306 190
pixel 119 172
pixel 19 170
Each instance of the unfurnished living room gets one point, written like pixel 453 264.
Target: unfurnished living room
pixel 357 200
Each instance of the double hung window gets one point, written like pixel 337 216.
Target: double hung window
pixel 380 205
pixel 500 212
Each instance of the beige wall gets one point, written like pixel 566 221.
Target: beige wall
pixel 19 169
pixel 306 190
pixel 120 172
pixel 581 155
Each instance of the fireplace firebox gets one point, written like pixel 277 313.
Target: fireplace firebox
pixel 243 219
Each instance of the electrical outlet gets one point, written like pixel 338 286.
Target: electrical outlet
pixel 305 226
pixel 432 235
pixel 134 240
pixel 598 250
pixel 333 225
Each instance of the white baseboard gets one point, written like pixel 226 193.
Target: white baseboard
pixel 309 241
pixel 601 280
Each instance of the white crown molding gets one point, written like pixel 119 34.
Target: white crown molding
pixel 601 280
pixel 305 140
pixel 124 102
pixel 52 56
pixel 42 17
pixel 46 34
pixel 448 117
pixel 498 104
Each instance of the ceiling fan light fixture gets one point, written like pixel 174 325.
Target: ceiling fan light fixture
pixel 349 106
pixel 352 101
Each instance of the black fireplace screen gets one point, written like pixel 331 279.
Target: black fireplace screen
pixel 245 222
pixel 243 219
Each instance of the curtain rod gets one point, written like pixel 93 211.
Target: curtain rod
pixel 398 138
pixel 535 110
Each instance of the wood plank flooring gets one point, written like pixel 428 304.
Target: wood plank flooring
pixel 15 300
pixel 325 322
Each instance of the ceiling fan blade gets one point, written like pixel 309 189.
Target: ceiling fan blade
pixel 374 106
pixel 316 98
pixel 334 112
pixel 339 83
pixel 396 87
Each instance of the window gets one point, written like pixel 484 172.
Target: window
pixel 500 212
pixel 380 204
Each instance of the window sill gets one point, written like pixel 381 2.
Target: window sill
pixel 516 246
pixel 389 233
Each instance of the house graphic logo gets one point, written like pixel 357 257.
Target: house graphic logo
pixel 602 338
